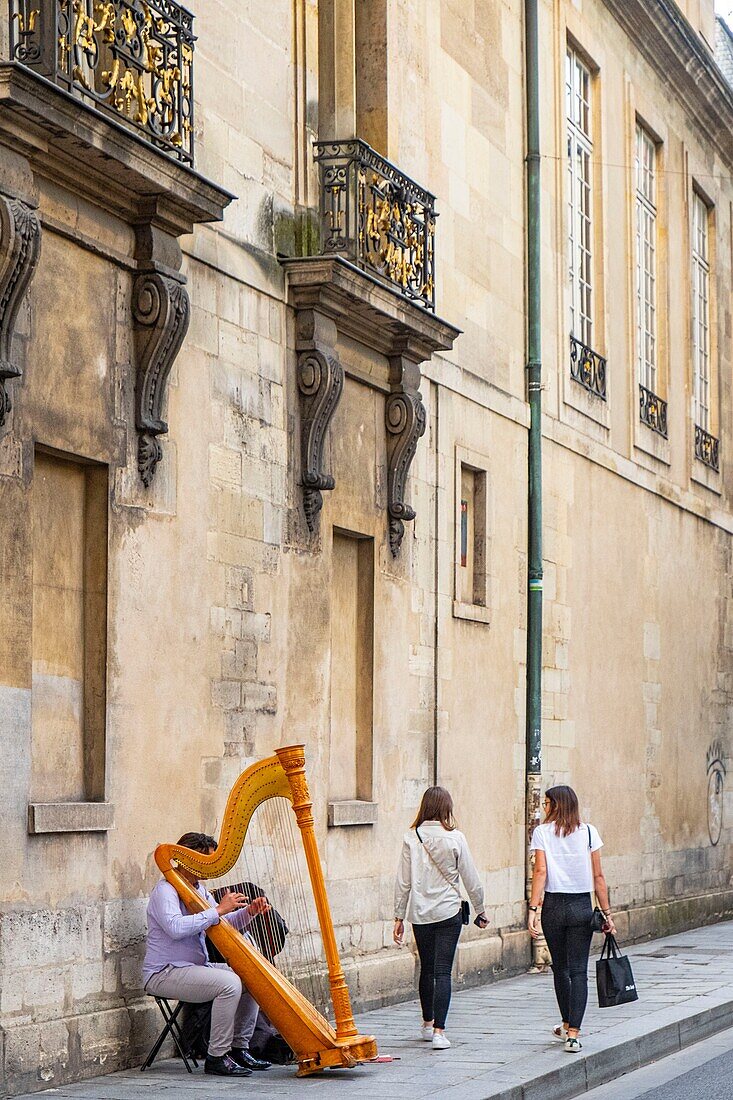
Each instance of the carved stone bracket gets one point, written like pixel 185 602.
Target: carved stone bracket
pixel 161 312
pixel 320 385
pixel 405 420
pixel 20 245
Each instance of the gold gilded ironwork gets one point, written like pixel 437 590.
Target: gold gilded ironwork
pixel 317 1045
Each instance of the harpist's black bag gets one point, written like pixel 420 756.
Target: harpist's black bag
pixel 614 978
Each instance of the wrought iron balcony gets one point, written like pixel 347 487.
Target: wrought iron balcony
pixel 130 58
pixel 653 411
pixel 588 368
pixel 707 448
pixel 377 217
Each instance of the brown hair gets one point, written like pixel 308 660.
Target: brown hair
pixel 564 810
pixel 436 805
pixel 198 842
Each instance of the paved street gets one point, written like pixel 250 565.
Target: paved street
pixel 502 1046
pixel 701 1072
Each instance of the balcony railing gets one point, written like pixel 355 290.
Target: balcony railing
pixel 707 448
pixel 653 411
pixel 132 59
pixel 378 218
pixel 588 368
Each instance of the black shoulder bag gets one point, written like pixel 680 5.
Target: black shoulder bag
pixel 465 909
pixel 597 919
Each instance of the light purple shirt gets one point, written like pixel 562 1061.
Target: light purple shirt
pixel 177 937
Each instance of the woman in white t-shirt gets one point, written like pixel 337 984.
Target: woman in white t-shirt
pixel 567 868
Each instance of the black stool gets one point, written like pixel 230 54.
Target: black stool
pixel 172 1028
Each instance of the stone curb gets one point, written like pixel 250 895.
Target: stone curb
pixel 599 1067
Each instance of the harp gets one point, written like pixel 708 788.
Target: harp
pixel 317 1043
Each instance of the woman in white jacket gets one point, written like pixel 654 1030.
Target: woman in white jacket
pixel 434 857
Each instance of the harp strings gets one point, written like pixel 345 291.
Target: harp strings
pixel 272 859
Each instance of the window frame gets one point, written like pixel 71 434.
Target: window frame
pixel 580 195
pixel 700 276
pixel 646 207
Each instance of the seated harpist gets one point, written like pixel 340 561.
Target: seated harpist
pixel 177 965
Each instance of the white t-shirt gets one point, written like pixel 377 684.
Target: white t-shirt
pixel 569 869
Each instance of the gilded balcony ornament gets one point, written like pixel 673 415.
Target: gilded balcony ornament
pixel 132 58
pixel 588 368
pixel 377 217
pixel 653 411
pixel 707 448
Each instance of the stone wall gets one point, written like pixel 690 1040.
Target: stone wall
pixel 220 599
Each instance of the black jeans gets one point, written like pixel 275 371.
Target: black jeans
pixel 436 946
pixel 566 924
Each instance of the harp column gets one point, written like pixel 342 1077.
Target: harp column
pixel 293 764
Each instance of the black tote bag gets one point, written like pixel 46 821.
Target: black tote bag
pixel 614 977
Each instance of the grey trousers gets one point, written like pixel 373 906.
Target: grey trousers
pixel 233 1011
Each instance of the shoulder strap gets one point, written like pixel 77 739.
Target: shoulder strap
pixel 590 845
pixel 437 865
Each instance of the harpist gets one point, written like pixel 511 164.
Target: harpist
pixel 177 965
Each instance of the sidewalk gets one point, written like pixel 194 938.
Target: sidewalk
pixel 502 1047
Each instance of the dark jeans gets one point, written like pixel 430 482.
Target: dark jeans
pixel 566 925
pixel 436 946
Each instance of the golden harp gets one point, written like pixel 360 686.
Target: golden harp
pixel 316 1043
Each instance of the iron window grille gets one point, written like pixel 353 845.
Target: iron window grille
pixel 588 368
pixel 707 448
pixel 377 217
pixel 653 411
pixel 580 195
pixel 646 263
pixel 131 59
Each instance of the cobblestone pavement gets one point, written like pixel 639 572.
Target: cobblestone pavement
pixel 502 1046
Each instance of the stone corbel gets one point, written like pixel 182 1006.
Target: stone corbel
pixel 161 312
pixel 20 245
pixel 320 385
pixel 405 421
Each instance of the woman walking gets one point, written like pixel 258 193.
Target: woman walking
pixel 434 857
pixel 567 868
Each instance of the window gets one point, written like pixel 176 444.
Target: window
pixel 69 640
pixel 472 537
pixel 701 311
pixel 580 197
pixel 352 680
pixel 472 579
pixel 646 259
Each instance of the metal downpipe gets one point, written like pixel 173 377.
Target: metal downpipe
pixel 533 768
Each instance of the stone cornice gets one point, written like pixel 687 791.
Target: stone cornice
pixel 100 159
pixel 664 37
pixel 365 309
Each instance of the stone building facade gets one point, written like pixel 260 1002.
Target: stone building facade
pixel 256 490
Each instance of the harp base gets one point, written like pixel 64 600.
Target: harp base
pixel 361 1048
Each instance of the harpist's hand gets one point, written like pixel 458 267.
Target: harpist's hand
pixel 230 902
pixel 259 905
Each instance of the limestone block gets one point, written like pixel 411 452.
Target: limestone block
pixel 86 980
pixel 226 694
pixel 377 979
pixel 22 1049
pixel 124 924
pixel 102 1033
pixel 259 697
pixel 44 988
pixel 131 972
pixel 41 938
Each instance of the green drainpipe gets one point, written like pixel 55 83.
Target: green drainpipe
pixel 534 393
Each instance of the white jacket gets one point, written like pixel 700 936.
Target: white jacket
pixel 421 891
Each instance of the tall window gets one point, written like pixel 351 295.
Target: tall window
pixel 580 197
pixel 646 259
pixel 701 311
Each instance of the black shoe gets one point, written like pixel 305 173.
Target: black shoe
pixel 244 1058
pixel 225 1067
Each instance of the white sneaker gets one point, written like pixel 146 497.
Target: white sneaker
pixel 426 1032
pixel 440 1041
pixel 573 1046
